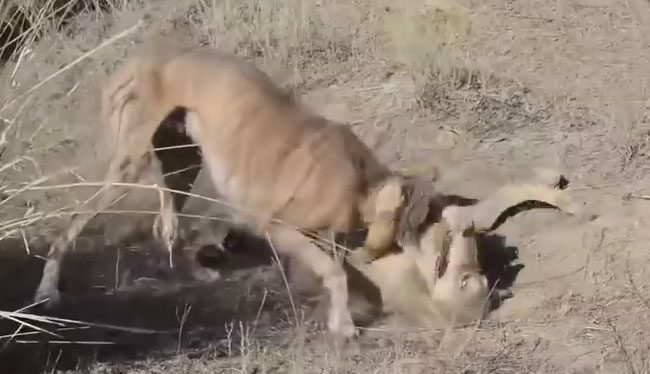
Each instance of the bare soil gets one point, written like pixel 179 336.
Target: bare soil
pixel 552 84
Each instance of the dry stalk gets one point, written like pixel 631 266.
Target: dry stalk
pixel 75 62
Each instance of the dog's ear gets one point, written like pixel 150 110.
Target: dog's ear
pixel 418 197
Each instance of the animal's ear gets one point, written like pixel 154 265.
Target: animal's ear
pixel 418 195
pixel 550 178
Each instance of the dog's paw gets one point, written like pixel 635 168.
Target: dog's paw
pixel 47 296
pixel 359 257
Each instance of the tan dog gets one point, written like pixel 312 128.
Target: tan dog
pixel 283 169
pixel 438 278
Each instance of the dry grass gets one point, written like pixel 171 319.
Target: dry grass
pixel 471 82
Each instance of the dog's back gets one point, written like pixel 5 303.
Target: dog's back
pixel 266 152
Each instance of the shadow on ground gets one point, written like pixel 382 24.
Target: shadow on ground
pixel 133 288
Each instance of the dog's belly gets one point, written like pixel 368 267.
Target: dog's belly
pixel 218 170
pixel 224 182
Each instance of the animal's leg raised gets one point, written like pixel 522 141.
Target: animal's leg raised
pixel 462 290
pixel 431 249
pixel 382 229
pixel 290 242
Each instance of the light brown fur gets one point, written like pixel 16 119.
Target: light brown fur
pixel 409 282
pixel 270 157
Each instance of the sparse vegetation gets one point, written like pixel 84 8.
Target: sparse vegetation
pixel 494 88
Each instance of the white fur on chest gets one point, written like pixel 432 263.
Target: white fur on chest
pixel 224 182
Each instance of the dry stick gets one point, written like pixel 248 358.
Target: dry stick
pixel 193 145
pixel 121 184
pixel 56 361
pixel 319 238
pixel 65 342
pixel 26 221
pixel 284 278
pixel 22 232
pixel 75 62
pixel 181 320
pixel 15 224
pixel 116 284
pixel 22 37
pixel 259 311
pixel 20 327
pixel 11 316
pixel 71 170
pixel 62 321
pixel 13 335
pixel 594 187
pixel 43 179
pixel 28 333
pixel 31 185
pixel 640 197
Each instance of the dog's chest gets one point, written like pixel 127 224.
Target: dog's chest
pixel 224 182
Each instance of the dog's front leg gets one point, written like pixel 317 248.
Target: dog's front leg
pixel 290 242
pixel 382 229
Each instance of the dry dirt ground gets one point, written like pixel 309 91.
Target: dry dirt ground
pixel 561 84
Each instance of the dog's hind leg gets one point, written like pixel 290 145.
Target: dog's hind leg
pixel 123 169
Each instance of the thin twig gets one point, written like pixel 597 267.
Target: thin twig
pixel 76 61
pixel 284 277
pixel 181 320
pixel 594 187
pixel 640 197
pixel 322 240
pixel 62 321
pixel 65 342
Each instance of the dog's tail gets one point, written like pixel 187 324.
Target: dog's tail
pixel 157 52
pixel 138 78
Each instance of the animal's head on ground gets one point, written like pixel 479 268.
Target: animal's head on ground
pixel 439 273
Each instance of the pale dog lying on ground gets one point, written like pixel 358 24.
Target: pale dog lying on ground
pixel 269 156
pixel 438 278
